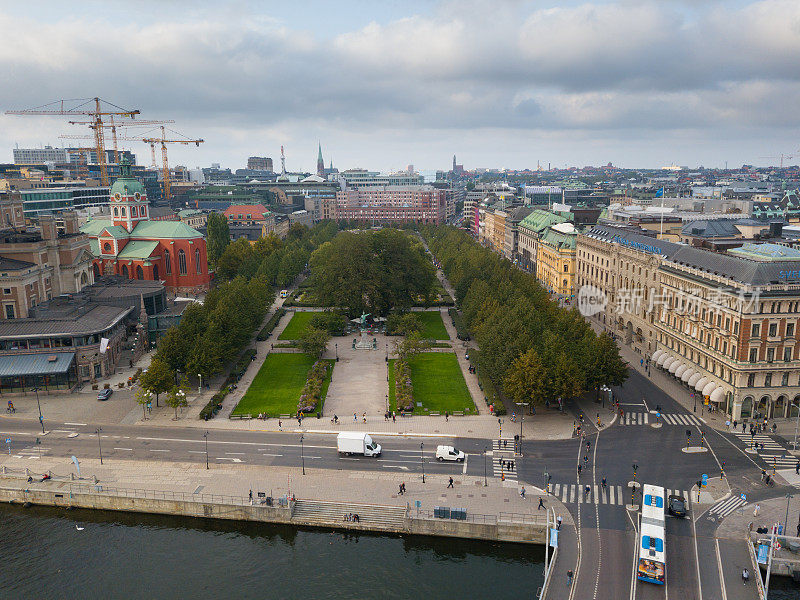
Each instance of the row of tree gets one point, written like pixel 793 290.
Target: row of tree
pixel 372 272
pixel 529 347
pixel 213 333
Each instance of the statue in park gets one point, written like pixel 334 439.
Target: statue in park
pixel 364 320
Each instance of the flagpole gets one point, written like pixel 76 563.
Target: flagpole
pixel 661 230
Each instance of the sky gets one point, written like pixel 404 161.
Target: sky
pixel 385 84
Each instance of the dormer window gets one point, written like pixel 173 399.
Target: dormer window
pixel 107 248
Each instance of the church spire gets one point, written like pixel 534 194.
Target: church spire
pixel 320 162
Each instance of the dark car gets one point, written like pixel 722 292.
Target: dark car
pixel 677 506
pixel 105 394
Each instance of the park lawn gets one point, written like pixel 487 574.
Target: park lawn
pixel 277 386
pixel 438 384
pixel 432 325
pixel 296 326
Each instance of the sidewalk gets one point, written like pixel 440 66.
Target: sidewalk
pixel 318 484
pixel 667 383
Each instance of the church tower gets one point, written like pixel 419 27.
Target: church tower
pixel 454 163
pixel 320 163
pixel 129 204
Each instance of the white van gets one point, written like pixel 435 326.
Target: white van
pixel 356 442
pixel 449 453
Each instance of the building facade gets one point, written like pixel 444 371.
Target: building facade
pixel 135 247
pixel 555 260
pixel 259 163
pixel 725 325
pixel 420 204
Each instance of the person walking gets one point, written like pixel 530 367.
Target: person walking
pixel 745 576
pixel 450 483
pixel 394 417
pixel 365 416
pixel 355 418
pixel 559 519
pixel 587 490
pixel 446 416
pixel 569 578
pixel 603 483
pixel 756 510
pixel 580 468
pixel 251 496
pixel 541 504
pixel 280 425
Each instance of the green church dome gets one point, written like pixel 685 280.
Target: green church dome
pixel 126 185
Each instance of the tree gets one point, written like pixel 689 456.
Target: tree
pixel 177 396
pixel 235 256
pixel 404 324
pixel 143 398
pixel 526 379
pixel 410 346
pixel 158 378
pixel 314 341
pixel 218 236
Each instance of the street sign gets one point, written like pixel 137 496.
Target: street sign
pixel 743 497
pixel 8 440
pixel 704 479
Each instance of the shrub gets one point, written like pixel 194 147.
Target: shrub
pixel 403 390
pixel 312 391
pixel 271 325
pixel 213 405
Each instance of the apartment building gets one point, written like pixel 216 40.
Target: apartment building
pixel 419 203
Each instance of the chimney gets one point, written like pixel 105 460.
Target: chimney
pixel 70 222
pixel 47 223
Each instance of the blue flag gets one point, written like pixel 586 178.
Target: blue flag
pixel 660 193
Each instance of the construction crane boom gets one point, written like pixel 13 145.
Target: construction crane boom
pixel 96 123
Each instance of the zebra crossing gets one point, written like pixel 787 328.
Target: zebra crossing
pixel 570 493
pixel 773 453
pixel 504 465
pixel 725 507
pixel 643 418
pixel 31 452
pixel 503 445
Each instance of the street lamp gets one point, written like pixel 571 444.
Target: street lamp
pixel 100 447
pixel 694 396
pixel 336 346
pixel 302 455
pixel 786 518
pixel 41 418
pixel 422 460
pixel 205 435
pixel 485 481
pixel 200 387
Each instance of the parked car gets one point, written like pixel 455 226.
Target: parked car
pixel 677 506
pixel 105 394
pixel 449 453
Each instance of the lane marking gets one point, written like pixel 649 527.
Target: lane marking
pixel 719 568
pixel 78 424
pixel 464 469
pixel 129 449
pixel 196 451
pixel 239 453
pixel 265 454
pixel 159 450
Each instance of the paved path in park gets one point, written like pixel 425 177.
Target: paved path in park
pixel 359 379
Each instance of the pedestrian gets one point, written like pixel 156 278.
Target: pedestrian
pixel 580 468
pixel 743 426
pixel 280 425
pixel 745 576
pixel 569 578
pixel 251 496
pixel 511 465
pixel 797 471
pixel 559 519
pixel 385 416
pixel 355 418
pixel 394 417
pixel 300 421
pixel 505 444
pixel 502 464
pixel 450 483
pixel 541 504
pixel 587 490
pixel 588 445
pixel 641 362
pixel 403 485
pixel 446 416
pixel 756 509
pixel 603 483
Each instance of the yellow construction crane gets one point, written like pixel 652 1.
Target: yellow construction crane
pixel 113 126
pixel 60 107
pixel 163 140
pixel 781 156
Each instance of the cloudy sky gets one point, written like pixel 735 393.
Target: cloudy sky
pixel 386 83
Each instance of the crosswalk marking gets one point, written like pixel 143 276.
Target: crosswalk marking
pixel 774 454
pixel 725 507
pixel 643 418
pixel 500 467
pixel 503 445
pixel 612 495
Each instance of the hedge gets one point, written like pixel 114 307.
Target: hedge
pixel 213 406
pixel 271 324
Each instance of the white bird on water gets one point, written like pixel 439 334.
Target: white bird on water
pixel 79 528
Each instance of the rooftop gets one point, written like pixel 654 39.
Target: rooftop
pixel 64 317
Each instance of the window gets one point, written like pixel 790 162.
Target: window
pixel 770 355
pixel 773 329
pixel 133 211
pixel 787 354
pixel 755 331
pixel 7 290
pixel 143 211
pixel 181 262
pixel 167 262
pixel 751 380
pixel 116 211
pixel 753 355
pixel 785 379
pixel 768 380
pixel 10 313
pixel 123 211
pixel 107 248
pixel 197 266
pixel 566 268
pixel 789 329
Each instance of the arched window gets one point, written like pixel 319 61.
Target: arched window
pixel 139 272
pixel 155 273
pixel 181 262
pixel 133 211
pixel 167 262
pixel 125 272
pixel 143 211
pixel 197 266
pixel 116 211
pixel 123 211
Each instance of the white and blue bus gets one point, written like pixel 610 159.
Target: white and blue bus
pixel 652 534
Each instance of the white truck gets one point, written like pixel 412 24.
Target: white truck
pixel 356 442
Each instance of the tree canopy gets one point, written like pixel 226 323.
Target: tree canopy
pixel 372 272
pixel 529 346
pixel 218 236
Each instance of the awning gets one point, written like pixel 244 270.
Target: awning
pixel 656 354
pixel 718 395
pixel 687 375
pixel 694 379
pixel 710 387
pixel 701 383
pixel 662 359
pixel 668 363
pixel 681 370
pixel 37 363
pixel 676 364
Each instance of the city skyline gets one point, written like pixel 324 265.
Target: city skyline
pixel 638 84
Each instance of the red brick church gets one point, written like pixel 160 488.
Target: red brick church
pixel 132 245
